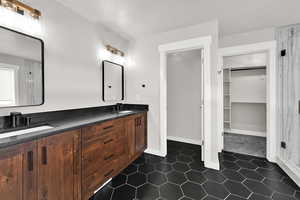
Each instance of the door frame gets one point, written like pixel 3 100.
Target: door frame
pixel 203 43
pixel 270 48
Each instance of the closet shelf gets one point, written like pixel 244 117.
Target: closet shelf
pixel 227 122
pixel 246 132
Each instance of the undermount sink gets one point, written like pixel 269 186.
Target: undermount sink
pixel 124 111
pixel 24 131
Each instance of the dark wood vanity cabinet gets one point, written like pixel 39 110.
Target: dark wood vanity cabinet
pixel 136 130
pixel 104 152
pixel 47 169
pixel 110 147
pixel 140 133
pixel 18 172
pixel 59 168
pixel 73 164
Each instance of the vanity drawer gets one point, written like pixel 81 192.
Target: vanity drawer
pixel 91 133
pixel 102 152
pixel 95 180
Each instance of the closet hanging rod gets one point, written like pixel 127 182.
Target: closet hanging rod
pixel 248 68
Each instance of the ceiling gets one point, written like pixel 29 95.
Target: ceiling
pixel 137 17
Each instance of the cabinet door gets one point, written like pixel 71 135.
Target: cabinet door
pixel 130 133
pixel 59 167
pixel 140 133
pixel 18 172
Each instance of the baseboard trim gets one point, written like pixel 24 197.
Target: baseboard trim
pixel 185 140
pixel 212 165
pixel 292 171
pixel 155 152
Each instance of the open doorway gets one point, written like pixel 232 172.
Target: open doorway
pixel 245 103
pixel 184 99
pixel 247 99
pixel 203 43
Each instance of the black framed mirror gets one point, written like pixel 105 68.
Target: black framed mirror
pixel 21 69
pixel 112 81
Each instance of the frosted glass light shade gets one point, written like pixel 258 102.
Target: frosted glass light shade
pixel 22 23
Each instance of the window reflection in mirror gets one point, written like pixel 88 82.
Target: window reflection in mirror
pixel 21 69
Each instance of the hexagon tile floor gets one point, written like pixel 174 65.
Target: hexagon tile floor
pixel 182 176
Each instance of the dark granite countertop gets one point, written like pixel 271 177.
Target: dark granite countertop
pixel 69 123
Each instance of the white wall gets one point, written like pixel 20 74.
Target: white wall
pixel 72 67
pixel 184 95
pixel 255 36
pixel 146 71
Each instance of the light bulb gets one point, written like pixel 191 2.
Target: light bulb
pixel 22 23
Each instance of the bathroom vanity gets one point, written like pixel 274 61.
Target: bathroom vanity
pixel 73 159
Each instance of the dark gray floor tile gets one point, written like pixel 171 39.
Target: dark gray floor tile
pixel 105 194
pixel 125 192
pixel 170 159
pixel 271 174
pixel 251 174
pixel 182 167
pixel 233 175
pixel 278 196
pixel 245 164
pixel 154 178
pixel 193 190
pixel 226 157
pixel 163 167
pixel 297 195
pixel 146 168
pixel 147 192
pixel 197 165
pixel 258 197
pixel 291 183
pixel 243 157
pixel 176 177
pixel 237 188
pixel 229 165
pixel 140 160
pixel 195 176
pixel 118 180
pixel 130 169
pixel 184 158
pixel 215 189
pixel 210 198
pixel 234 197
pixel 214 175
pixel 157 178
pixel 136 179
pixel 262 163
pixel 170 191
pixel 258 187
pixel 279 187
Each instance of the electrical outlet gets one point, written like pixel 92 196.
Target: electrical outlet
pixel 283 145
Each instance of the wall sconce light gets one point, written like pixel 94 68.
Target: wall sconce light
pixel 113 54
pixel 19 16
